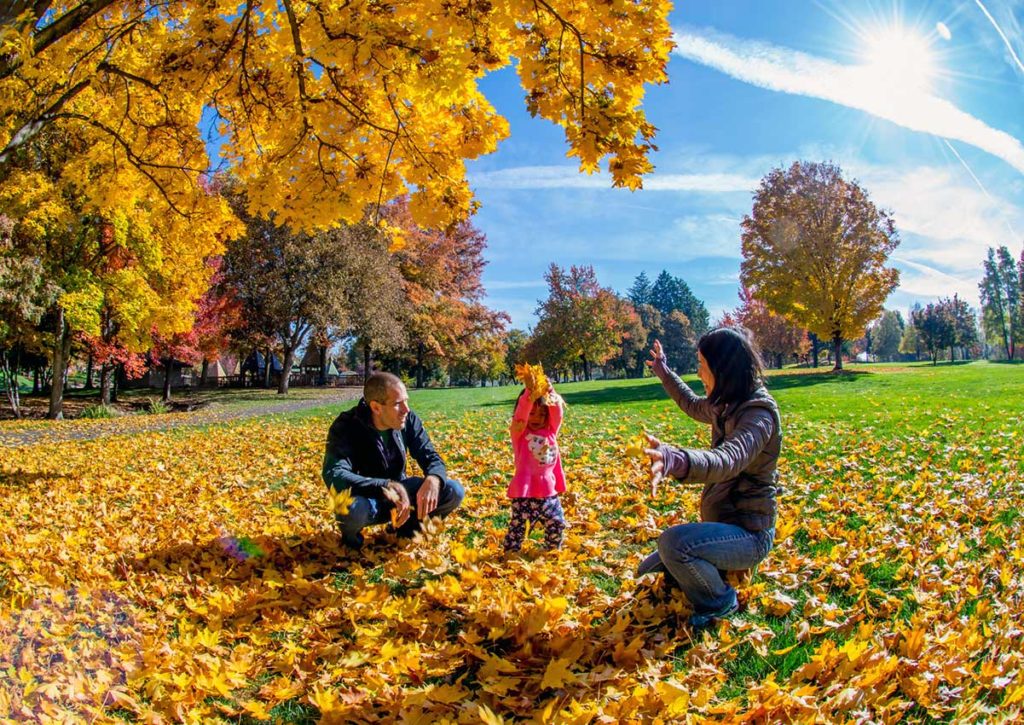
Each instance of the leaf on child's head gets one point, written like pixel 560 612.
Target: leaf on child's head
pixel 533 377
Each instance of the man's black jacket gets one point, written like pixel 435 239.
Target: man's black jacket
pixel 355 457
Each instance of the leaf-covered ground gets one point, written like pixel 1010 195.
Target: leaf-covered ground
pixel 195 575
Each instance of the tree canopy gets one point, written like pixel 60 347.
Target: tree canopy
pixel 887 333
pixel 325 108
pixel 948 323
pixel 580 322
pixel 777 337
pixel 815 248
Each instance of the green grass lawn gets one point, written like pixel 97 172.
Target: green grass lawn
pixel 887 398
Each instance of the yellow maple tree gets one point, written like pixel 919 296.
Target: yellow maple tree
pixel 328 107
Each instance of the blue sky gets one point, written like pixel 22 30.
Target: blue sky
pixel 921 102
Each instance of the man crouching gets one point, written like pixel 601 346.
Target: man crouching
pixel 366 450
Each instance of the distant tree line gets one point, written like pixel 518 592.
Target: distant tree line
pixel 116 298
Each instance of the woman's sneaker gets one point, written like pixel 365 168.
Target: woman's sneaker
pixel 704 620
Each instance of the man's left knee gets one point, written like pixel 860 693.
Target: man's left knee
pixel 450 497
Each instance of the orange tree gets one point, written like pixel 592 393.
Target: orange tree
pixel 580 323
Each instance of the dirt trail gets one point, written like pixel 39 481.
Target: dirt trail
pixel 57 431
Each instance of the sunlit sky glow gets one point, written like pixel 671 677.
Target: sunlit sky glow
pixel 920 102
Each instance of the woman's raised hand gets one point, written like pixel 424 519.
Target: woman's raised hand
pixel 657 462
pixel 656 354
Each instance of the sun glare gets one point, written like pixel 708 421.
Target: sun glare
pixel 899 57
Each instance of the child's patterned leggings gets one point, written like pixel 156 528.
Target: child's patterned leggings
pixel 547 511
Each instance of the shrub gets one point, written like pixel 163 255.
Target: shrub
pixel 98 411
pixel 157 406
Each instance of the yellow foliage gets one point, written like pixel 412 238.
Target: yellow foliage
pixel 330 108
pixel 533 377
pixel 340 501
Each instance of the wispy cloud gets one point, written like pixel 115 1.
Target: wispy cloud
pixel 507 284
pixel 944 218
pixel 788 71
pixel 919 282
pixel 568 177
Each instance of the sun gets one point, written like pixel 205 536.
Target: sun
pixel 899 57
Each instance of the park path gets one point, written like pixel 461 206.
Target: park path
pixel 79 430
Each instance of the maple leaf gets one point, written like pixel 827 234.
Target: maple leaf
pixel 257 709
pixel 487 715
pixel 558 673
pixel 636 446
pixel 340 501
pixel 777 604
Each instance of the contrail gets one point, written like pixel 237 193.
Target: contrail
pixel 1009 226
pixel 1002 35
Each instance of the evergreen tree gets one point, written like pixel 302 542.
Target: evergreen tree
pixel 640 293
pixel 669 294
pixel 1000 293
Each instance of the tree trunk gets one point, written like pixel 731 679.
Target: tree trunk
pixel 105 373
pixel 119 378
pixel 419 365
pixel 322 379
pixel 88 373
pixel 837 346
pixel 204 375
pixel 11 377
pixel 366 360
pixel 267 365
pixel 815 349
pixel 36 388
pixel 168 369
pixel 289 358
pixel 61 352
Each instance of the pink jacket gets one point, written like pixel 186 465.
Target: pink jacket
pixel 538 460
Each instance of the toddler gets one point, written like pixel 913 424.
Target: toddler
pixel 538 477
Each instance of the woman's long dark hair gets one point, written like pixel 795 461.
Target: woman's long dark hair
pixel 733 358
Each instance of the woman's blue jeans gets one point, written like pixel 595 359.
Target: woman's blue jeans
pixel 695 555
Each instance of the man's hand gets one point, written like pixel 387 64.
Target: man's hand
pixel 426 497
pixel 397 495
pixel 657 462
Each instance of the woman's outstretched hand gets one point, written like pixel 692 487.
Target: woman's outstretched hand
pixel 656 354
pixel 657 462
